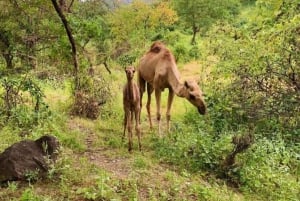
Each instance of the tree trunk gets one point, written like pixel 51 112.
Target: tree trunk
pixel 30 43
pixel 8 59
pixel 71 39
pixel 69 8
pixel 6 52
pixel 195 31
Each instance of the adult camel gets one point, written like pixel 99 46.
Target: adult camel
pixel 158 70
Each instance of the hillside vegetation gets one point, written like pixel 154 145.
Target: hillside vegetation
pixel 244 53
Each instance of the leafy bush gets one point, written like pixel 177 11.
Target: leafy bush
pixel 94 91
pixel 271 169
pixel 180 52
pixel 171 38
pixel 127 59
pixel 260 81
pixel 268 168
pixel 23 102
pixel 194 52
pixel 192 147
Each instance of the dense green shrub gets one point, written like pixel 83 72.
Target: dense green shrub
pixel 194 52
pixel 193 147
pixel 180 51
pixel 22 102
pixel 127 59
pixel 93 92
pixel 271 169
pixel 258 64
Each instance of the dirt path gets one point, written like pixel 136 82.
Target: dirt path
pixel 118 166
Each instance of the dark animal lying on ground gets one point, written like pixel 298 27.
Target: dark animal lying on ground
pixel 28 156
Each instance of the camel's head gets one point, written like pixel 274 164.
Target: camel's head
pixel 129 70
pixel 195 96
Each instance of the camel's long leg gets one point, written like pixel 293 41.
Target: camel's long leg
pixel 129 127
pixel 149 91
pixel 158 116
pixel 131 115
pixel 170 101
pixel 125 125
pixel 142 86
pixel 137 126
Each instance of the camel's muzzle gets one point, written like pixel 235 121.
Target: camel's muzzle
pixel 202 110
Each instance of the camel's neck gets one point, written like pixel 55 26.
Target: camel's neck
pixel 174 81
pixel 130 89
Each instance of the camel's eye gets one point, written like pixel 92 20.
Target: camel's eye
pixel 192 97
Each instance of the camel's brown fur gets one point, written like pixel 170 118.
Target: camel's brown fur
pixel 158 70
pixel 131 104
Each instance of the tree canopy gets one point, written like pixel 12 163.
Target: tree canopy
pixel 199 15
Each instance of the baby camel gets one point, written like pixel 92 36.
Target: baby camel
pixel 131 104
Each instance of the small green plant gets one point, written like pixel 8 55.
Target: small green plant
pixel 32 176
pixel 29 195
pixel 13 186
pixel 140 163
pixel 101 191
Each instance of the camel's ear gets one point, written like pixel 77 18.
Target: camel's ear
pixel 186 84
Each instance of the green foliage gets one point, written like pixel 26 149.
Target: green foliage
pixel 140 163
pixel 199 15
pixel 23 102
pixel 91 29
pixel 269 168
pixel 23 35
pixel 194 52
pixel 29 195
pixel 257 61
pixel 139 21
pixel 260 70
pixel 272 170
pixel 93 92
pixel 102 190
pixel 107 188
pixel 193 148
pixel 96 86
pixel 127 59
pixel 179 44
pixel 179 51
pixel 31 176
